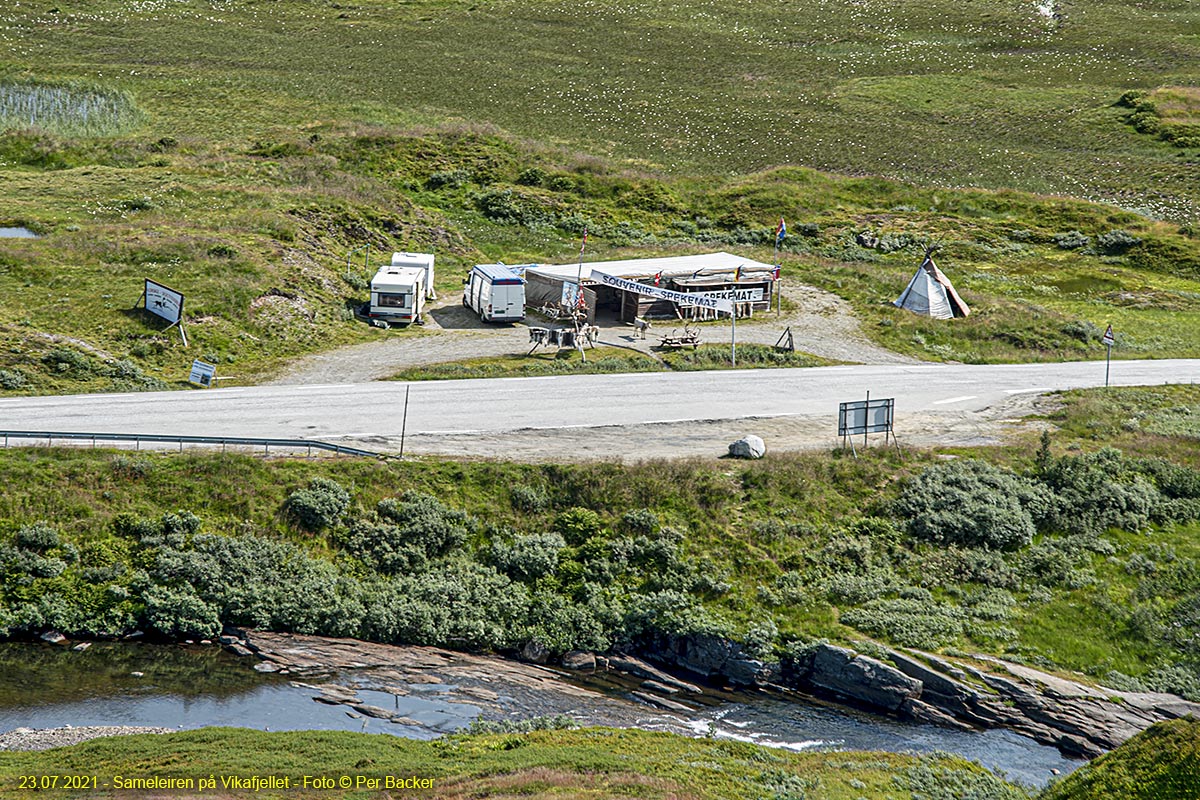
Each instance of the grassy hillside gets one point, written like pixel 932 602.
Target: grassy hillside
pixel 238 151
pixel 1019 558
pixel 578 764
pixel 1161 763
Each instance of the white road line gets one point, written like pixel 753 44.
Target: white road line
pixel 325 386
pixel 954 399
pixel 1023 391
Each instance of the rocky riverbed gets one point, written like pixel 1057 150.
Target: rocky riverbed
pixel 980 693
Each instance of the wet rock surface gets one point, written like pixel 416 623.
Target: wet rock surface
pixel 1078 719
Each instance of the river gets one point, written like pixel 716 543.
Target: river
pixel 44 686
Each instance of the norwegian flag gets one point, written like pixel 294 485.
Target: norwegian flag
pixel 658 278
pixel 775 272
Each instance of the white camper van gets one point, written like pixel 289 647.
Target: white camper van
pixel 495 293
pixel 399 290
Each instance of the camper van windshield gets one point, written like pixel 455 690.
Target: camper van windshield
pixel 393 300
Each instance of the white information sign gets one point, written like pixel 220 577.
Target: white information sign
pixel 163 302
pixel 702 299
pixel 203 373
pixel 866 416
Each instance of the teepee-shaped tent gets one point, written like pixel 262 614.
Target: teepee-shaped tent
pixel 931 294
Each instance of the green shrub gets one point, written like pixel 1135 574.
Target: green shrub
pixel 1098 491
pixel 179 613
pixel 974 504
pixel 528 557
pixel 12 379
pixel 450 179
pixel 1116 242
pixel 908 621
pixel 1072 240
pixel 641 520
pixel 38 537
pixel 529 499
pixel 424 521
pixel 318 506
pixel 70 363
pixel 577 525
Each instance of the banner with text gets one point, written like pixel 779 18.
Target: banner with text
pixel 702 299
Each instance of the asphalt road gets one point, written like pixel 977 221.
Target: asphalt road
pixel 373 411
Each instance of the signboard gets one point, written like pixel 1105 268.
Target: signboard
pixel 866 416
pixel 1107 339
pixel 570 295
pixel 742 295
pixel 701 299
pixel 203 374
pixel 163 302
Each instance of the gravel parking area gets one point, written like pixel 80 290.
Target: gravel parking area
pixel 823 325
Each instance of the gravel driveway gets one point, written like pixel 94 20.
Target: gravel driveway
pixel 823 325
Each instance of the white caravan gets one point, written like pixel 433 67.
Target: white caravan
pixel 397 295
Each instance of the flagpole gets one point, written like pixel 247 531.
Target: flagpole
pixel 778 296
pixel 579 272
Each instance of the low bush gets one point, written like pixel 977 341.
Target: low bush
pixel 320 505
pixel 974 504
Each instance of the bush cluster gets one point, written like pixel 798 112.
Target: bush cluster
pixel 320 505
pixel 974 504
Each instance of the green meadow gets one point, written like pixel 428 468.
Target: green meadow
pixel 238 151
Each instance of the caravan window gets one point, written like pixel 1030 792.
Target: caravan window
pixel 393 300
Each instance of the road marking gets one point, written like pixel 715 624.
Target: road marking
pixel 954 399
pixel 1023 391
pixel 325 386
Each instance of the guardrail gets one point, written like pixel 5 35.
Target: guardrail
pixel 224 441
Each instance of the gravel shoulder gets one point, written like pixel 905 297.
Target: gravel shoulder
pixel 47 738
pixel 822 324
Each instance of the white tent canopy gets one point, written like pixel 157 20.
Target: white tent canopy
pixel 931 294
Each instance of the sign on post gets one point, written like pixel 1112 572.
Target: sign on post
pixel 163 302
pixel 1108 340
pixel 861 417
pixel 203 374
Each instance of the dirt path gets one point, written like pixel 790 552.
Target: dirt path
pixel 823 325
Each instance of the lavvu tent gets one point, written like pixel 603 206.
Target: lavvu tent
pixel 931 294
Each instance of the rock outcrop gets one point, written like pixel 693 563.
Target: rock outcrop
pixel 1078 719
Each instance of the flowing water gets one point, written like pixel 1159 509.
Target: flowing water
pixel 43 686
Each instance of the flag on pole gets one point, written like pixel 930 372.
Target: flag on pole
pixel 583 244
pixel 775 272
pixel 780 232
pixel 658 277
pixel 737 273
